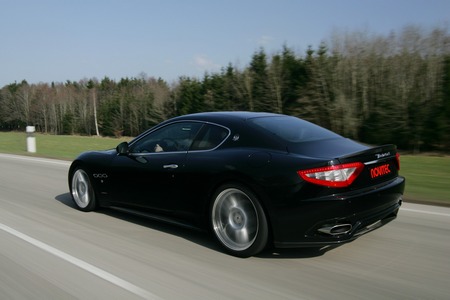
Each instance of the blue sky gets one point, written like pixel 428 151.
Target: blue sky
pixel 50 40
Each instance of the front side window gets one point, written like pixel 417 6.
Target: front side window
pixel 170 138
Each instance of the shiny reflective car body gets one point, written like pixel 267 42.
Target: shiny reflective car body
pixel 253 179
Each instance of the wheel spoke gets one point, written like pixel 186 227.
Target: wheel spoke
pixel 242 236
pixel 226 205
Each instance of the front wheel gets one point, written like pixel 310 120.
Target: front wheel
pixel 238 221
pixel 82 191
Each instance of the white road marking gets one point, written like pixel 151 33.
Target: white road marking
pixel 426 212
pixel 36 159
pixel 81 264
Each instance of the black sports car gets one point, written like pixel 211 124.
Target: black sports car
pixel 252 178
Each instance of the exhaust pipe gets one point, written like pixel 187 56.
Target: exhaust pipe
pixel 336 229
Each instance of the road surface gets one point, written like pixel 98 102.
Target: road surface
pixel 50 250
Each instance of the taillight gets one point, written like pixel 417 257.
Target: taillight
pixel 333 176
pixel 397 158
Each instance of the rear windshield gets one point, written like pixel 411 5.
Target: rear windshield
pixel 293 130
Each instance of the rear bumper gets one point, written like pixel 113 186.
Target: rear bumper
pixel 358 211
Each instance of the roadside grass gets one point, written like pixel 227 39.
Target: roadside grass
pixel 66 147
pixel 427 177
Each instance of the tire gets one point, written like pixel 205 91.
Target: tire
pixel 82 191
pixel 238 221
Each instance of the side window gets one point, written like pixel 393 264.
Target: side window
pixel 209 137
pixel 170 138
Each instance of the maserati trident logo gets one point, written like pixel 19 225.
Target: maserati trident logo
pixel 382 155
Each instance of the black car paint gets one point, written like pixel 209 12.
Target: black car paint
pixel 264 164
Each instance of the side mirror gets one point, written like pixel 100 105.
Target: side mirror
pixel 122 148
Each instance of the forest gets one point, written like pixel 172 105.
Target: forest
pixel 373 88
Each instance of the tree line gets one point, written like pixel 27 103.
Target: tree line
pixel 373 88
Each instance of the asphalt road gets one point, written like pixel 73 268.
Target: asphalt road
pixel 50 250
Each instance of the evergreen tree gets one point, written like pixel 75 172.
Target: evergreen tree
pixel 260 98
pixel 188 96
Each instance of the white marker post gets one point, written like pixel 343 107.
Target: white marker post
pixel 31 139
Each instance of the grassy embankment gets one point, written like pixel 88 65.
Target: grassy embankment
pixel 65 147
pixel 428 177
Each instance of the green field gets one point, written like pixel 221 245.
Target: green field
pixel 65 147
pixel 427 177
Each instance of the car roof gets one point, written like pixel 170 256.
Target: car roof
pixel 235 121
pixel 225 117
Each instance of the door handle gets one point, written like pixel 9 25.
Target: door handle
pixel 171 166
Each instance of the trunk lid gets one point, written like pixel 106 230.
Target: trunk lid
pixel 381 164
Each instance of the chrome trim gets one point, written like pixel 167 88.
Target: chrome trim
pixel 336 229
pixel 171 166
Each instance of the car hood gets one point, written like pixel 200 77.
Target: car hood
pixel 101 155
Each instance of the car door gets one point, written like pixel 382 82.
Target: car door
pixel 203 165
pixel 148 176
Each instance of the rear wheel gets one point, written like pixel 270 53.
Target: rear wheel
pixel 82 191
pixel 238 221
